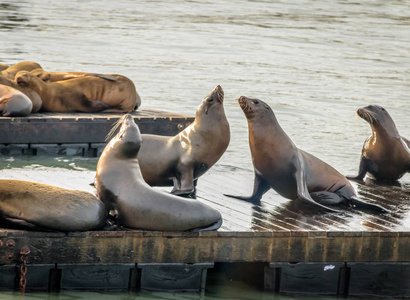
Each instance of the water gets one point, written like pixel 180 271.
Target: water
pixel 314 62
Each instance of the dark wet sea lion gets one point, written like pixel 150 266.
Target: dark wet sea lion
pixel 60 76
pixel 14 103
pixel 12 70
pixel 44 207
pixel 181 159
pixel 83 94
pixel 292 172
pixel 121 187
pixel 385 154
pixel 33 96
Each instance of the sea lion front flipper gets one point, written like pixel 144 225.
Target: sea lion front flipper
pixel 260 187
pixel 93 106
pixel 363 168
pixel 103 76
pixel 185 184
pixel 357 203
pixel 302 189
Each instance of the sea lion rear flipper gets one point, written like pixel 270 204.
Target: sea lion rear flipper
pixel 260 187
pixel 357 203
pixel 302 189
pixel 22 224
pixel 324 197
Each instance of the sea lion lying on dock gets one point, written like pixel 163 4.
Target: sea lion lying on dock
pixel 181 159
pixel 83 94
pixel 121 187
pixel 39 206
pixel 60 76
pixel 292 172
pixel 14 103
pixel 385 154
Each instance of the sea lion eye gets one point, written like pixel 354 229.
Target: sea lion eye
pixel 255 102
pixel 211 99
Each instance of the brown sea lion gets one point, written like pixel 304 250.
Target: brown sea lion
pixel 44 207
pixel 181 159
pixel 14 103
pixel 59 76
pixel 83 94
pixel 291 172
pixel 33 96
pixel 11 71
pixel 121 187
pixel 385 154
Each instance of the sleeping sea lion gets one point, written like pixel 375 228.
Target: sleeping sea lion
pixel 385 154
pixel 32 95
pixel 39 206
pixel 292 172
pixel 121 187
pixel 84 94
pixel 14 103
pixel 59 76
pixel 179 160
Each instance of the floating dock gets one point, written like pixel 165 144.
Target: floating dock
pixel 278 245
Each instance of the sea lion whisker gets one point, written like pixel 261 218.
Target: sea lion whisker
pixel 114 128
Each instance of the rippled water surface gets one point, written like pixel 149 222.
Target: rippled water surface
pixel 314 62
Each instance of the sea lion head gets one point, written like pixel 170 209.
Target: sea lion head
pixel 128 140
pixel 253 107
pixel 213 101
pixel 378 118
pixel 23 78
pixel 40 73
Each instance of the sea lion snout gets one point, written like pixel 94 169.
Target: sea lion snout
pixel 22 78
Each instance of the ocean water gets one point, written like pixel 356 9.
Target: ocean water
pixel 314 62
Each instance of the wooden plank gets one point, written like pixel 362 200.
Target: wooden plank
pixel 197 247
pixel 84 128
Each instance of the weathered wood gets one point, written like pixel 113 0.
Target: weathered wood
pixel 77 128
pixel 192 247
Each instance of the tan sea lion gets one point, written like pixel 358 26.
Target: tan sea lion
pixel 33 96
pixel 84 94
pixel 11 71
pixel 44 207
pixel 14 103
pixel 292 172
pixel 3 67
pixel 121 187
pixel 181 159
pixel 59 76
pixel 385 154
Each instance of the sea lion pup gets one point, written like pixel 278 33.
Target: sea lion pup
pixel 59 76
pixel 32 95
pixel 385 154
pixel 14 103
pixel 293 173
pixel 44 207
pixel 83 94
pixel 11 71
pixel 181 159
pixel 121 187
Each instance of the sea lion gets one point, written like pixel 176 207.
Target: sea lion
pixel 181 159
pixel 3 67
pixel 121 187
pixel 14 103
pixel 84 94
pixel 385 154
pixel 11 71
pixel 292 172
pixel 33 96
pixel 59 76
pixel 44 207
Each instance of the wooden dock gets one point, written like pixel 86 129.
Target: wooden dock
pixel 285 246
